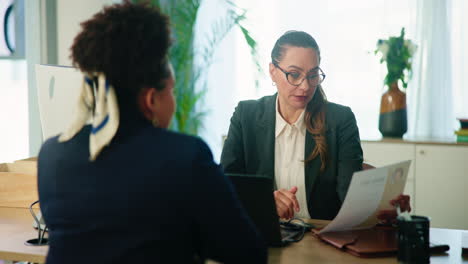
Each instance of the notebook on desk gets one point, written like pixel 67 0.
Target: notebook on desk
pixel 256 195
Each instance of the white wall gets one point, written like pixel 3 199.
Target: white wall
pixel 33 11
pixel 13 110
pixel 70 13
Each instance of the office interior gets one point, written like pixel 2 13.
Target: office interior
pixel 347 33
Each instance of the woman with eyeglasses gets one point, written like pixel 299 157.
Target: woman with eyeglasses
pixel 308 145
pixel 124 189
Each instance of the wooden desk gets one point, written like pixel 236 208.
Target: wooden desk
pixel 16 228
pixel 312 250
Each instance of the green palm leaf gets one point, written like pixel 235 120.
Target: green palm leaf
pixel 190 88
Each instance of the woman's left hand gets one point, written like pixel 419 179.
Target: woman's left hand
pixel 389 215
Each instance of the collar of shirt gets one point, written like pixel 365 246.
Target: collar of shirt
pixel 281 124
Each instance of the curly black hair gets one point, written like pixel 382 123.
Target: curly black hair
pixel 129 44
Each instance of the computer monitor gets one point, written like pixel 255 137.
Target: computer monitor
pixel 58 90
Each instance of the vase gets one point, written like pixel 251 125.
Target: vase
pixel 393 116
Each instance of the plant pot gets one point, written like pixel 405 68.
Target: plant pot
pixel 393 117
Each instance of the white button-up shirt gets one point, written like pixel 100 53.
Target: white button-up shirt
pixel 289 158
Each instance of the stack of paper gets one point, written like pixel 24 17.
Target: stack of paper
pixel 369 192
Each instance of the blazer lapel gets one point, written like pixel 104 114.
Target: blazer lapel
pixel 266 137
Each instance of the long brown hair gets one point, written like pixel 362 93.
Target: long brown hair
pixel 315 111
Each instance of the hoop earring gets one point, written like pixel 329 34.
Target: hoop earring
pixel 155 122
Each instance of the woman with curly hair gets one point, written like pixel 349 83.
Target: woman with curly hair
pixel 124 189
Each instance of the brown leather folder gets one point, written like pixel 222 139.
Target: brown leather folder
pixel 379 241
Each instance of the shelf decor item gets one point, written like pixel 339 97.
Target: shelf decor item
pixel 397 53
pixel 462 133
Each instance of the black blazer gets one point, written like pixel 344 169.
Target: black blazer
pixel 152 196
pixel 250 148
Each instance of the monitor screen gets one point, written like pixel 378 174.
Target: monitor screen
pixel 58 90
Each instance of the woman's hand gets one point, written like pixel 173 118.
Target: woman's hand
pixel 286 202
pixel 389 215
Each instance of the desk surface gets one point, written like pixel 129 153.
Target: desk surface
pixel 312 249
pixel 16 228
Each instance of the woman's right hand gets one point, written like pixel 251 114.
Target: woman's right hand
pixel 286 202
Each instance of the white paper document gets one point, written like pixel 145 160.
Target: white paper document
pixel 369 192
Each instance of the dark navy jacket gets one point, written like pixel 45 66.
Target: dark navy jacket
pixel 152 196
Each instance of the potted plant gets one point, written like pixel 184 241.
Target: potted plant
pixel 190 86
pixel 397 53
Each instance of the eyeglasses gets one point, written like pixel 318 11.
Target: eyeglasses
pixel 296 78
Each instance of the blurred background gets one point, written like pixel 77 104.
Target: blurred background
pixel 346 31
